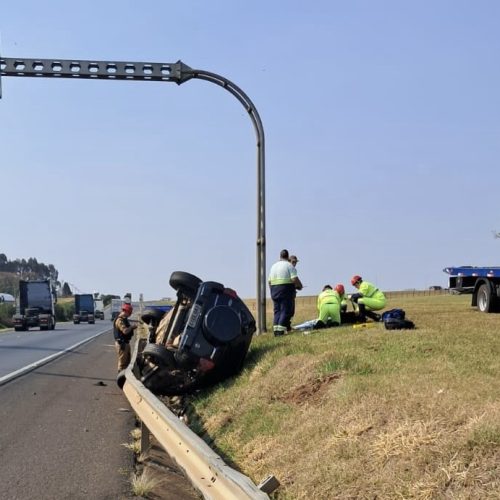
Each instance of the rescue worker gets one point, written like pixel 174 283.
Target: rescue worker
pixel 283 281
pixel 123 332
pixel 329 308
pixel 368 299
pixel 339 288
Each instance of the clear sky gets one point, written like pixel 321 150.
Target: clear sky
pixel 382 123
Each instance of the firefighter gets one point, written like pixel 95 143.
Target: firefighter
pixel 329 308
pixel 123 332
pixel 339 288
pixel 283 281
pixel 368 299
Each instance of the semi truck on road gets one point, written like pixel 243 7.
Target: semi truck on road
pixel 482 282
pixel 36 306
pixel 84 309
pixel 116 307
pixel 99 308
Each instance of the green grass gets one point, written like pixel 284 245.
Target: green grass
pixel 364 413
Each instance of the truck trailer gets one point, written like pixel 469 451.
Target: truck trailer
pixel 36 305
pixel 84 309
pixel 482 282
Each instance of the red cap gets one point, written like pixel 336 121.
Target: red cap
pixel 339 288
pixel 355 279
pixel 127 308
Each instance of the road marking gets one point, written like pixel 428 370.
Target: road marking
pixel 36 364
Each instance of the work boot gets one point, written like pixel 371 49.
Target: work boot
pixel 278 330
pixel 361 313
pixel 373 315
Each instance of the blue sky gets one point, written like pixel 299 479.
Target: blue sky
pixel 382 123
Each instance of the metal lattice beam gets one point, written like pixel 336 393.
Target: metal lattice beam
pixel 107 70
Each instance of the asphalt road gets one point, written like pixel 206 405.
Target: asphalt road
pixel 63 425
pixel 21 349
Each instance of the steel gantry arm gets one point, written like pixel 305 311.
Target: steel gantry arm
pixel 178 73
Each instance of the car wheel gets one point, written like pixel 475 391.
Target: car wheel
pixel 185 283
pixel 120 379
pixel 158 355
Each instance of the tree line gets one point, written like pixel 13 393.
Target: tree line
pixel 26 269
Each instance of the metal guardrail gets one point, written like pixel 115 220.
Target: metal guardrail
pixel 204 468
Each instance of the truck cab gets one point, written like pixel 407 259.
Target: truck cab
pixel 116 307
pixel 99 308
pixel 36 305
pixel 84 309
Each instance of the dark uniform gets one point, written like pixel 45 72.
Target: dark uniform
pixel 123 332
pixel 281 283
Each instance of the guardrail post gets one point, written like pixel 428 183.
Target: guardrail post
pixel 145 438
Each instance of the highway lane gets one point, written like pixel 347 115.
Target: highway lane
pixel 20 351
pixel 63 424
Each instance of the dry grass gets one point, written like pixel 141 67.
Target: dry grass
pixel 345 413
pixel 135 444
pixel 143 484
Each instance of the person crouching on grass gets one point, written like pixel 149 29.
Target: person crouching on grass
pixel 329 308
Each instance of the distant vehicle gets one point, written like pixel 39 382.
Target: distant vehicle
pixel 99 308
pixel 84 309
pixel 6 298
pixel 116 307
pixel 482 282
pixel 435 287
pixel 36 305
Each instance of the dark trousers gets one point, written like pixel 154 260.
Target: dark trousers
pixel 284 304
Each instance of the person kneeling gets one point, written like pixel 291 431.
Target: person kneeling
pixel 329 308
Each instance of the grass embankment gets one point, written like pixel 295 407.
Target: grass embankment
pixel 368 413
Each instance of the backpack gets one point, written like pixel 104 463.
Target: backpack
pixel 394 319
pixel 398 324
pixel 393 314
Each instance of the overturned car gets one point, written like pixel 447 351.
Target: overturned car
pixel 204 339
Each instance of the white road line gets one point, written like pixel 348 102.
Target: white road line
pixel 36 364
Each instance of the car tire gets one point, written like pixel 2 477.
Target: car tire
pixel 185 283
pixel 158 355
pixel 120 379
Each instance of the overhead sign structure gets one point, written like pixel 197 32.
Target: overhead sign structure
pixel 161 72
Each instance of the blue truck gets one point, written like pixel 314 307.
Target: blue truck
pixel 482 282
pixel 84 309
pixel 36 305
